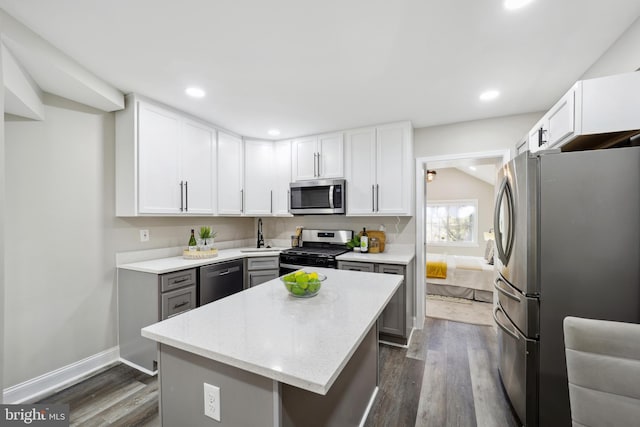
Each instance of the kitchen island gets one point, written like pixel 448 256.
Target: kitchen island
pixel 277 360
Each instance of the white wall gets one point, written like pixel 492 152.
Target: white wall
pixel 452 184
pixel 622 57
pixel 470 137
pixel 398 229
pixel 63 236
pixel 2 227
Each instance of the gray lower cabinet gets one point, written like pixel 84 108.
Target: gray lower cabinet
pixel 396 321
pixel 147 298
pixel 261 269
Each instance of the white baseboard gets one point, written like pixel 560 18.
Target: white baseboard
pixel 138 367
pixel 34 389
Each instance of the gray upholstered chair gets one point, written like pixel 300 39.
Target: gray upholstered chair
pixel 603 367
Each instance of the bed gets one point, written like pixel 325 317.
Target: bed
pixel 469 277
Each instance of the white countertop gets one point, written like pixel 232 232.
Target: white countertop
pixel 393 254
pixel 304 342
pixel 176 263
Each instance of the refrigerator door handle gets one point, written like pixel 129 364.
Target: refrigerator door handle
pixel 501 325
pixel 504 253
pixel 504 291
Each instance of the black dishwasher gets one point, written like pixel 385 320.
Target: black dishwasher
pixel 220 280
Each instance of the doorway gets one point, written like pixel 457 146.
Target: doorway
pixel 449 167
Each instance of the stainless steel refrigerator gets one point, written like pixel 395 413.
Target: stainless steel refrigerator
pixel 568 242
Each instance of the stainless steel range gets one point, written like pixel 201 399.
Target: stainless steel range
pixel 319 249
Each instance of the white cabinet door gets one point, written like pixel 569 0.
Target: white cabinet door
pixel 393 166
pixel 560 118
pixel 305 158
pixel 538 137
pixel 230 161
pixel 197 156
pixel 158 166
pixel 258 177
pixel 360 165
pixel 330 163
pixel 318 157
pixel 282 175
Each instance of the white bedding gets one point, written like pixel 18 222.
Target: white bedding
pixel 465 271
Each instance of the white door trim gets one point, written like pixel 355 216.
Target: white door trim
pixel 421 166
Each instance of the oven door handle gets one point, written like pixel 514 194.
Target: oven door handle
pixel 294 267
pixel 501 325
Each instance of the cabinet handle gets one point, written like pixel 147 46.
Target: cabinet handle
pixel 271 200
pixel 181 196
pixel 319 174
pixel 186 196
pixel 288 200
pixel 241 200
pixel 377 198
pixel 541 132
pixel 373 198
pixel 182 304
pixel 183 279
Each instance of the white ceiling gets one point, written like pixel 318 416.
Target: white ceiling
pixel 312 66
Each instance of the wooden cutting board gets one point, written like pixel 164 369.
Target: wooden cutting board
pixel 379 234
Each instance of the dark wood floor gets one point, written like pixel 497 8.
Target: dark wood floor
pixel 119 396
pixel 447 377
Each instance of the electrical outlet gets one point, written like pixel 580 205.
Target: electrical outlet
pixel 144 235
pixel 212 401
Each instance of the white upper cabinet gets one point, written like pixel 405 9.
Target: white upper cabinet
pixel 318 157
pixel 230 174
pixel 360 168
pixel 591 107
pixel 198 158
pixel 164 162
pixel 379 170
pixel 556 125
pixel 282 176
pixel 259 177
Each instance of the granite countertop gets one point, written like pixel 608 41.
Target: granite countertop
pixel 393 254
pixel 304 342
pixel 176 263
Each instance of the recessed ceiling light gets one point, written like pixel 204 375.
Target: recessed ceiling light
pixel 195 92
pixel 274 132
pixel 489 95
pixel 515 4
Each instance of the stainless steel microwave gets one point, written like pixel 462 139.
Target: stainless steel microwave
pixel 319 197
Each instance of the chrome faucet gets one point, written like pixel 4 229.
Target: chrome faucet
pixel 260 235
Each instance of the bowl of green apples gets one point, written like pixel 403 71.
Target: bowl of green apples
pixel 303 284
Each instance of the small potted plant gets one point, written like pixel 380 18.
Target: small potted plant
pixel 207 237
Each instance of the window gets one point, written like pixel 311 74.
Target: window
pixel 452 222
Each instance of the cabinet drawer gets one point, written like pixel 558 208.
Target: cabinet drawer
pixel 263 263
pixel 258 277
pixel 356 266
pixel 177 280
pixel 390 269
pixel 178 301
